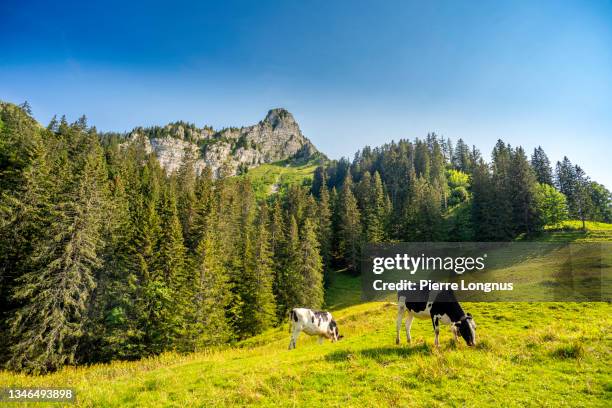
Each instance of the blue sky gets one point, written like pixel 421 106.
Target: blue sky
pixel 352 72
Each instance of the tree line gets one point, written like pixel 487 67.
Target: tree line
pixel 106 256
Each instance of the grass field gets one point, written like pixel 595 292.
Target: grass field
pixel 528 354
pixel 273 177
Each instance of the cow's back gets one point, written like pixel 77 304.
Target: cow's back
pixel 416 301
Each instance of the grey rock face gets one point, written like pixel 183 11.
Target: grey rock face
pixel 277 137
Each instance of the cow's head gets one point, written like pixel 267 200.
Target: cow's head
pixel 467 329
pixel 333 331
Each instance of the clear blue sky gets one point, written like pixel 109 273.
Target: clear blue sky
pixel 352 72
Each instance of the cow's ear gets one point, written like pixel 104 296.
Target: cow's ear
pixel 469 315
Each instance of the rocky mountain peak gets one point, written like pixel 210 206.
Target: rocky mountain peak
pixel 280 117
pixel 228 151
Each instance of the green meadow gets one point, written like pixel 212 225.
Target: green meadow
pixel 271 178
pixel 528 354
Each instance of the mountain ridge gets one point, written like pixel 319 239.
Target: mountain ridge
pixel 229 151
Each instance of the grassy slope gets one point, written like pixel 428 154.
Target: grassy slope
pixel 268 177
pixel 538 354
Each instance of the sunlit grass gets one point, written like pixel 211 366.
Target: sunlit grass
pixel 527 354
pixel 270 178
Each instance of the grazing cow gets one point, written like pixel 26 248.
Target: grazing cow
pixel 439 306
pixel 313 323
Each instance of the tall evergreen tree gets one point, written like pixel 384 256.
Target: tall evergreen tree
pixel 566 181
pixel 167 290
pixel 290 278
pixel 502 227
pixel 310 269
pixel 325 234
pixel 350 226
pixel 257 281
pixel 526 217
pixel 54 294
pixel 541 166
pixel 582 197
pixel 208 325
pixel 376 211
pixel 461 159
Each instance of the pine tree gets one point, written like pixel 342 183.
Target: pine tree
pixel 258 279
pixel 167 291
pixel 541 166
pixel 325 235
pixel 566 182
pixel 502 225
pixel 208 324
pixel 277 246
pixel 113 330
pixel 422 165
pixel 526 217
pixel 45 331
pixel 310 269
pixel 25 188
pixel 483 211
pixel 461 158
pixel 376 213
pixel 290 281
pixel 186 196
pixel 202 208
pixel 350 226
pixel 582 197
pixel 423 213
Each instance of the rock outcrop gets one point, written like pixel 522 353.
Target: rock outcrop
pixel 229 151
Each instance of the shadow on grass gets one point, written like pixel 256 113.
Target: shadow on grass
pixel 379 354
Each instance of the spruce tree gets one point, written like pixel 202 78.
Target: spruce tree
pixel 526 217
pixel 310 269
pixel 541 166
pixel 325 234
pixel 502 224
pixel 376 215
pixel 582 197
pixel 208 324
pixel 257 281
pixel 166 290
pixel 350 226
pixel 54 293
pixel 566 181
pixel 290 280
pixel 461 158
pixel 483 210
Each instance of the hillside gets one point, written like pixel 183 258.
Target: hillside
pixel 274 177
pixel 528 354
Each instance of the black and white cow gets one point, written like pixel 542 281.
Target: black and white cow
pixel 313 323
pixel 441 307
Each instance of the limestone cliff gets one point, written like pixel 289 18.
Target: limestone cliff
pixel 229 151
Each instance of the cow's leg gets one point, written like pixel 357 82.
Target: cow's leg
pixel 454 331
pixel 320 339
pixel 294 336
pixel 409 326
pixel 401 306
pixel 436 325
